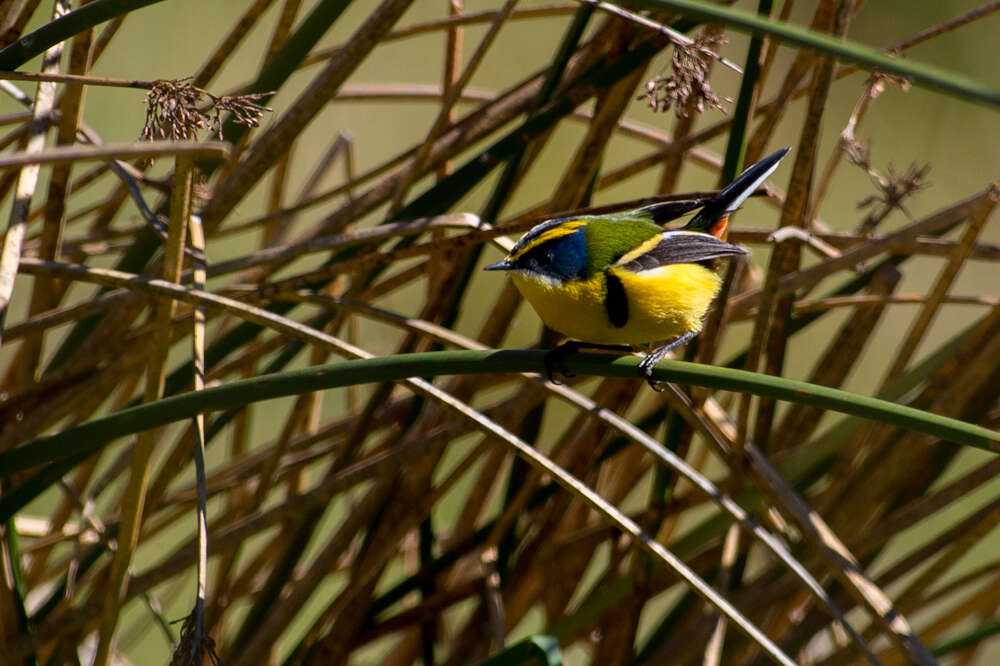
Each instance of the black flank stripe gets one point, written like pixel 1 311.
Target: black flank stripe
pixel 615 300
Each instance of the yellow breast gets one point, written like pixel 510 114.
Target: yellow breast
pixel 663 303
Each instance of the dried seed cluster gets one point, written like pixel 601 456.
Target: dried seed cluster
pixel 687 86
pixel 177 110
pixel 893 187
pixel 195 647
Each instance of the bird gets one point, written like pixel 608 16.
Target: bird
pixel 621 281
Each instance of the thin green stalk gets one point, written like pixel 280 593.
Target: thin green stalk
pixel 537 649
pixel 736 146
pixel 967 639
pixel 10 558
pixel 845 51
pixel 95 434
pixel 73 23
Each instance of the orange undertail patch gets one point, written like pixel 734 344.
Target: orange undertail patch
pixel 719 227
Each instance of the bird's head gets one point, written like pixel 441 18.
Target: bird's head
pixel 576 248
pixel 555 250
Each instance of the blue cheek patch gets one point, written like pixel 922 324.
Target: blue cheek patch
pixel 569 256
pixel 563 258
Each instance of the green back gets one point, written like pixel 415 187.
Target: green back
pixel 611 236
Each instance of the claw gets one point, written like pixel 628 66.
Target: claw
pixel 648 364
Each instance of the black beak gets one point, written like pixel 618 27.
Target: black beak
pixel 499 266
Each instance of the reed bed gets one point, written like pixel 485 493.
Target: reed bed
pixel 254 404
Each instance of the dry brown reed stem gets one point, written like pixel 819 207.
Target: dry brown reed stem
pixel 925 506
pixel 227 47
pixel 849 472
pixel 945 551
pixel 447 104
pixel 955 262
pixel 833 366
pixel 222 538
pixel 280 135
pixel 893 458
pixel 573 429
pixel 957 584
pixel 474 127
pixel 923 245
pixel 871 301
pixel 876 86
pixel 792 87
pixel 229 529
pixel 15 19
pixel 455 21
pixel 841 562
pixel 195 645
pixel 16 136
pixel 625 127
pixel 852 257
pixel 71 78
pixel 16 118
pixel 138 150
pixel 374 457
pixel 281 217
pixel 73 390
pixel 104 38
pixel 341 626
pixel 768 342
pixel 444 263
pixel 454 41
pixel 27 177
pixel 46 294
pixel 944 27
pixel 283 26
pixel 135 495
pixel 75 312
pixel 370 91
pixel 980 607
pixel 576 179
pixel 730 551
pixel 815 532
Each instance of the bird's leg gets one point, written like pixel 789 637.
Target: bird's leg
pixel 555 359
pixel 647 364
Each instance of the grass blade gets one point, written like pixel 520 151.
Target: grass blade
pixel 845 51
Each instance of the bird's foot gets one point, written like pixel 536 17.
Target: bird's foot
pixel 555 360
pixel 648 364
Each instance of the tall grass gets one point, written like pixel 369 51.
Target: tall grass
pixel 313 445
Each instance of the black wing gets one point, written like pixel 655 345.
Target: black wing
pixel 681 247
pixel 665 211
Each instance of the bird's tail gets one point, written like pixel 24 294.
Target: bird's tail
pixel 714 217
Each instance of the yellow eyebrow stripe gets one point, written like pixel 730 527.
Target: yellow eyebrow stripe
pixel 564 229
